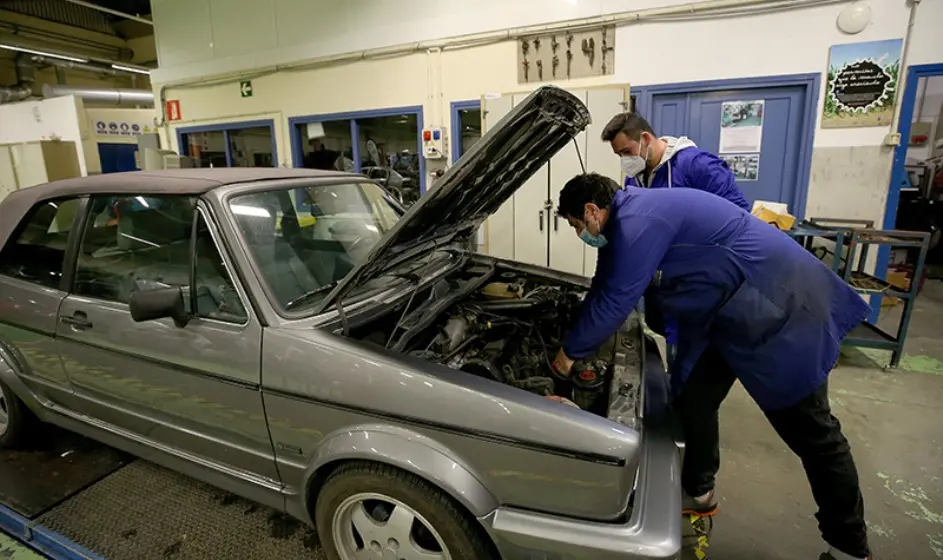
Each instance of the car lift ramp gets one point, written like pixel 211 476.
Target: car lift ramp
pixel 80 500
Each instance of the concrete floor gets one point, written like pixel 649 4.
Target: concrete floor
pixel 894 421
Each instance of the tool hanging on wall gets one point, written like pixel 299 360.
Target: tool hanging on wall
pixel 526 70
pixel 540 70
pixel 537 46
pixel 589 49
pixel 605 48
pixel 554 64
pixel 554 44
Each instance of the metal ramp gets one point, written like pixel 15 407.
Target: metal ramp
pixel 75 499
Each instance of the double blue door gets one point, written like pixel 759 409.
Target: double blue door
pixel 697 115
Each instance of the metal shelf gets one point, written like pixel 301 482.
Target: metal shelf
pixel 853 239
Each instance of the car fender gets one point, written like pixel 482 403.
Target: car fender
pixel 408 450
pixel 10 369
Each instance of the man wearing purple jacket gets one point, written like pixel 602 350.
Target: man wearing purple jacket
pixel 652 162
pixel 668 162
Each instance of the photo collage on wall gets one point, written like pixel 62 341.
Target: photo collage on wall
pixel 741 137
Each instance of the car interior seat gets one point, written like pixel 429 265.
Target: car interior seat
pixel 286 273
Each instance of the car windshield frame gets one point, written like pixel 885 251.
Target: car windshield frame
pixel 312 307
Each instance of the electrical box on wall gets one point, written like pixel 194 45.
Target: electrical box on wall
pixel 433 143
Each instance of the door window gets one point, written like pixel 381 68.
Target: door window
pixel 36 250
pixel 136 243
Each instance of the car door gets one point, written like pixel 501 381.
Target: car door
pixel 31 289
pixel 193 390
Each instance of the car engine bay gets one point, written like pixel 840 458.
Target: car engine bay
pixel 500 324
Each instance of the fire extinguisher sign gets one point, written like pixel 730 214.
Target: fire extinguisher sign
pixel 173 110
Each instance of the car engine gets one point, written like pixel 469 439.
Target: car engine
pixel 509 330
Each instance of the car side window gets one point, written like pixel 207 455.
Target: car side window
pixel 216 295
pixel 36 250
pixel 139 243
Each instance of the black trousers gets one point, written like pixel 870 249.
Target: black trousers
pixel 808 428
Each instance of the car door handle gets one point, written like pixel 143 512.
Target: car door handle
pixel 78 319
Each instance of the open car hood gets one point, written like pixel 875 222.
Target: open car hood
pixel 483 179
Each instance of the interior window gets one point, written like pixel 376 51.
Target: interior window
pixel 305 240
pixel 36 250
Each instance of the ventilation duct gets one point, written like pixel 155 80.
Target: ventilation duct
pixel 23 88
pixel 114 96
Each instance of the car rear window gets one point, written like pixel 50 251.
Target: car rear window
pixel 36 250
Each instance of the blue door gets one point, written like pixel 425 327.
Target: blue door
pixel 117 157
pixel 697 115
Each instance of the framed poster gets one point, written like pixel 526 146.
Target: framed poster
pixel 861 88
pixel 741 126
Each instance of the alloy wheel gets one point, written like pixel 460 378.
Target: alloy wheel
pixel 378 527
pixel 4 413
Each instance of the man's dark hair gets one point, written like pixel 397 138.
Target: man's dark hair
pixel 583 189
pixel 630 124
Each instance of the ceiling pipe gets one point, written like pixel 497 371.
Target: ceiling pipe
pixel 110 11
pixel 114 96
pixel 23 88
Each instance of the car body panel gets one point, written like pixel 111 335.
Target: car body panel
pixel 502 433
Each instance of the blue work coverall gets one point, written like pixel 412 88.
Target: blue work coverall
pixel 774 312
pixel 685 165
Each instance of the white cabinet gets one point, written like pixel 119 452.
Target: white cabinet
pixel 526 227
pixel 33 163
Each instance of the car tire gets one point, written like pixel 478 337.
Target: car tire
pixel 16 421
pixel 380 491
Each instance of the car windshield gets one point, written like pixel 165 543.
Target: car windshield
pixel 305 240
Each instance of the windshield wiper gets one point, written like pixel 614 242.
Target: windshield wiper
pixel 305 297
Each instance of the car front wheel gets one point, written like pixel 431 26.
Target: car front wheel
pixel 371 510
pixel 15 419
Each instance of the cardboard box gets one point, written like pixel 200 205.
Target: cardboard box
pixel 774 213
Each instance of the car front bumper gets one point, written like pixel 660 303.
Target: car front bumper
pixel 652 531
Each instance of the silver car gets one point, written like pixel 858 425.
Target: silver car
pixel 297 338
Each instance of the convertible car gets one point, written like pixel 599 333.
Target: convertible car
pixel 298 338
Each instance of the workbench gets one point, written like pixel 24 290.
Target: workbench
pixel 853 240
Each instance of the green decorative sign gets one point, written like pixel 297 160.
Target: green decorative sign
pixel 245 88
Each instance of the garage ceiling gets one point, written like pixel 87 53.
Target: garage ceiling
pixel 86 17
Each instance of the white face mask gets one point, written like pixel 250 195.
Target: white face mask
pixel 633 165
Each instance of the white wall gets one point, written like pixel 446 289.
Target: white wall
pixel 850 171
pixel 60 118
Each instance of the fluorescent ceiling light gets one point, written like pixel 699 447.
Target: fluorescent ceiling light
pixel 42 53
pixel 131 69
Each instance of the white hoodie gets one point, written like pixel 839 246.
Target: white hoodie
pixel 675 145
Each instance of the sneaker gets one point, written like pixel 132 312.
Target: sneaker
pixel 704 507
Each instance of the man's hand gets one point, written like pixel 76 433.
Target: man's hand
pixel 562 364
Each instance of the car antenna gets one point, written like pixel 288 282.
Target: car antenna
pixel 422 275
pixel 579 155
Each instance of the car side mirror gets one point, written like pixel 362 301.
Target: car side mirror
pixel 148 305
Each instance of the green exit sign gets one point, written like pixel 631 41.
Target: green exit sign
pixel 245 88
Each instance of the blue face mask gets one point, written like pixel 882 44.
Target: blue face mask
pixel 597 241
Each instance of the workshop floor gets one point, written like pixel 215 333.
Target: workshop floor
pixel 894 421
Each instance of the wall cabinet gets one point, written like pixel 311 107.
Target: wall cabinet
pixel 33 163
pixel 526 228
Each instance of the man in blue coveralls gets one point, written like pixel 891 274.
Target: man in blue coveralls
pixel 773 314
pixel 652 162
